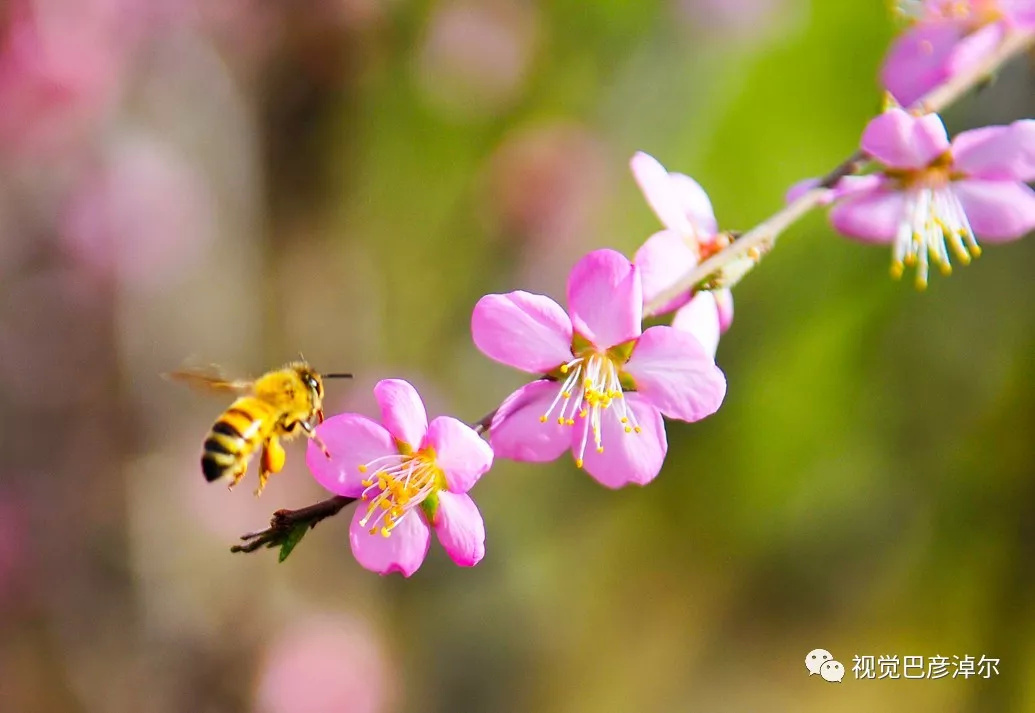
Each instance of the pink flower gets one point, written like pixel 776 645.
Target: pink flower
pixel 691 234
pixel 602 372
pixel 948 37
pixel 411 477
pixel 933 196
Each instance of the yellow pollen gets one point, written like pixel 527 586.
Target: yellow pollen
pixel 362 469
pixel 897 268
pixel 754 254
pixel 975 250
pixel 638 429
pixel 594 390
pixel 401 482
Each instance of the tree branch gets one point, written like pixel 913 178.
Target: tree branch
pixel 726 267
pixel 289 526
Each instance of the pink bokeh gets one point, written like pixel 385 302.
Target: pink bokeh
pixel 326 664
pixel 737 19
pixel 143 216
pixel 62 64
pixel 476 55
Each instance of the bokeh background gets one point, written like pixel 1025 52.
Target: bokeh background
pixel 191 183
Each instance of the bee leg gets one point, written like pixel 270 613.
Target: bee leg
pixel 311 434
pixel 272 461
pixel 235 477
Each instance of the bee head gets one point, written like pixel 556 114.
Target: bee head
pixel 312 381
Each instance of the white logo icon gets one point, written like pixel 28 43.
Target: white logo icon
pixel 832 671
pixel 816 658
pixel 822 662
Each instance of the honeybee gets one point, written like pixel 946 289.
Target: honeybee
pixel 278 406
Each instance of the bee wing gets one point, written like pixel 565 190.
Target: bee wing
pixel 210 382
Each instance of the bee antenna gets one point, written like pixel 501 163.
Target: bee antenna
pixel 337 376
pixel 300 357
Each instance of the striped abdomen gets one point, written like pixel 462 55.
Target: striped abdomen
pixel 235 437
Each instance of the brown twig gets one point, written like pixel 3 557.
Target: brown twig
pixel 482 424
pixel 285 523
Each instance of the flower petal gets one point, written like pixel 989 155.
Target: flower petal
pixel 526 331
pixel 675 373
pixel 460 528
pixel 805 185
pixel 974 47
pixel 460 452
pixel 898 139
pixel 997 210
pixel 352 440
pixel 1019 13
pixel 871 216
pixel 605 298
pixel 402 551
pixel 845 186
pixel 695 204
pixel 724 303
pixel 662 260
pixel 627 457
pixel 997 153
pixel 402 411
pixel 700 317
pixel 660 192
pixel 919 59
pixel 518 433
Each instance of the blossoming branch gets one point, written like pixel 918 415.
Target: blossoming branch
pixel 603 384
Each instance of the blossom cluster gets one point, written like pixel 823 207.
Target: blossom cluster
pixel 603 385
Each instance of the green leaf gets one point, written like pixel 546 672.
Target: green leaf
pixel 292 539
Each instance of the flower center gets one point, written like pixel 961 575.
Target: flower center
pixel 592 389
pixel 934 221
pixel 397 483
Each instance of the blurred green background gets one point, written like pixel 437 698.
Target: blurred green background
pixel 191 183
